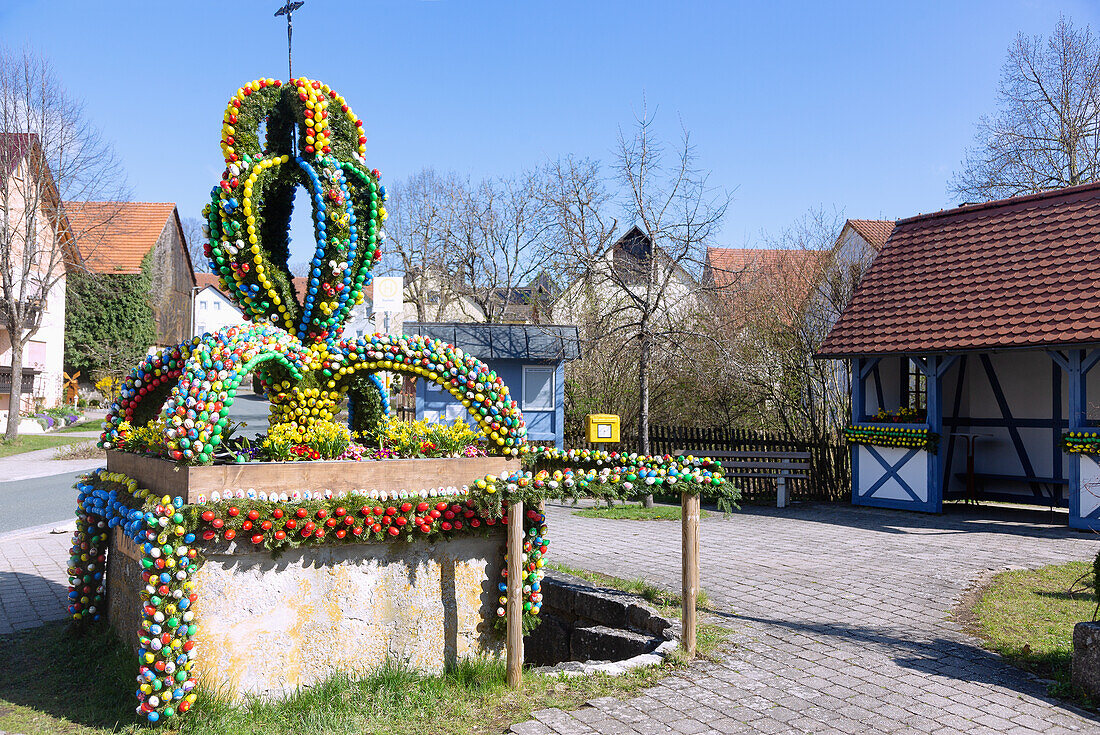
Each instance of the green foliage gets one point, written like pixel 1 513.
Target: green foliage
pixel 109 323
pixel 365 409
pixel 95 674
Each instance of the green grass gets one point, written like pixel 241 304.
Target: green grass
pixel 91 425
pixel 1028 617
pixel 668 603
pixel 53 681
pixel 32 442
pixel 635 512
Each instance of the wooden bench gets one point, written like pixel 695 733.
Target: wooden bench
pixel 983 477
pixel 780 466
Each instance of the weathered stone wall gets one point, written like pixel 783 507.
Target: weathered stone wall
pixel 267 626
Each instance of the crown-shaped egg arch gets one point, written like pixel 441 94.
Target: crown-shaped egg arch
pixel 249 212
pixel 312 139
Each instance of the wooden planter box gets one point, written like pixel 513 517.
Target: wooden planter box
pixel 285 477
pixel 267 626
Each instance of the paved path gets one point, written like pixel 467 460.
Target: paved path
pixel 840 620
pixel 841 624
pixel 41 463
pixel 33 576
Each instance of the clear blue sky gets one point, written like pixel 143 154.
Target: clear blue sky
pixel 867 107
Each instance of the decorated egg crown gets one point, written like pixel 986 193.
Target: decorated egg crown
pixel 248 217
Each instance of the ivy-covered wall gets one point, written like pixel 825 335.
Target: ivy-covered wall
pixel 109 324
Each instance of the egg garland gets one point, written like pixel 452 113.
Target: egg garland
pixel 1081 442
pixel 145 390
pixel 892 436
pixel 106 500
pixel 480 390
pixel 246 225
pixel 535 543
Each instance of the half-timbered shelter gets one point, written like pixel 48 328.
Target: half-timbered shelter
pixel 973 344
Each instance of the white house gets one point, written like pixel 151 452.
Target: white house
pixel 29 178
pixel 211 309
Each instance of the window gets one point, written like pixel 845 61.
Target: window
pixel 916 388
pixel 202 305
pixel 217 306
pixel 538 389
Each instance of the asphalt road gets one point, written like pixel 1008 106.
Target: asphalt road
pixel 34 502
pixel 43 500
pixel 252 410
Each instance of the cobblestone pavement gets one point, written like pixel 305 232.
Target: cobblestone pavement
pixel 34 578
pixel 840 620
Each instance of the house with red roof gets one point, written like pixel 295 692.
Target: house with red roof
pixel 118 238
pixel 972 343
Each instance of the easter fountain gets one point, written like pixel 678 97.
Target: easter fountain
pixel 296 561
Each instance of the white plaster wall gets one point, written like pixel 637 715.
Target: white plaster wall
pixel 1026 381
pixel 914 472
pixel 51 334
pixel 1090 484
pixel 213 311
pixel 891 372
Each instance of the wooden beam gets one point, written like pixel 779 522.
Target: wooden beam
pixel 859 404
pixel 1059 359
pixel 689 511
pixel 514 642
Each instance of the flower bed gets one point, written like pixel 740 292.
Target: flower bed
pixel 1081 442
pixel 892 436
pixel 51 419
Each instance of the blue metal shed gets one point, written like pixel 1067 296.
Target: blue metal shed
pixel 529 358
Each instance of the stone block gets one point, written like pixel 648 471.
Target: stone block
pixel 1086 658
pixel 602 607
pixel 601 643
pixel 267 626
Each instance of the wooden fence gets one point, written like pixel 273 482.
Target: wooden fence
pixel 830 471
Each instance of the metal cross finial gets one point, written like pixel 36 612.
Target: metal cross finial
pixel 288 11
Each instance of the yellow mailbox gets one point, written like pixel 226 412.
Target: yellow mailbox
pixel 601 427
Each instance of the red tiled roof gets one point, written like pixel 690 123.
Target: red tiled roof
pixel 114 237
pixel 727 266
pixel 875 231
pixel 755 281
pixel 1014 273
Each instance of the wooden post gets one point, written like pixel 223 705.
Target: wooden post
pixel 690 558
pixel 514 611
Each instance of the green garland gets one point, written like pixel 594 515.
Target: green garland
pixel 892 436
pixel 1081 442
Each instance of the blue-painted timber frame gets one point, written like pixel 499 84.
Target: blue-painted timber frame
pixel 934 368
pixel 1076 364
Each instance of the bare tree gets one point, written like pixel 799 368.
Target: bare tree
pixel 49 152
pixel 647 280
pixel 500 247
pixel 423 212
pixel 1046 131
pixel 196 243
